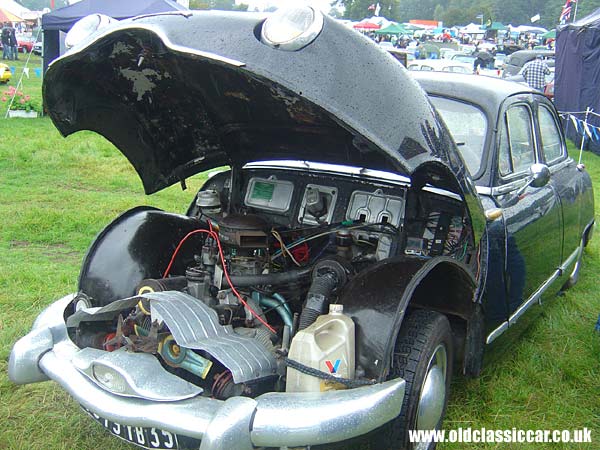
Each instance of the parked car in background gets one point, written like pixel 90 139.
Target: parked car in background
pixel 440 65
pixel 446 53
pixel 5 73
pixel 26 43
pixel 38 48
pixel 357 247
pixel 467 58
pixel 515 61
pixel 386 45
pixel 499 61
pixel 401 54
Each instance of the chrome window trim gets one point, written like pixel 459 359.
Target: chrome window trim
pixel 563 150
pixel 561 165
pixel 533 136
pixel 517 184
pixel 501 190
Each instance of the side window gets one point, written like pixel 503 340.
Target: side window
pixel 516 141
pixel 550 135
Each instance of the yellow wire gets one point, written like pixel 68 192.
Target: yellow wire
pixel 284 249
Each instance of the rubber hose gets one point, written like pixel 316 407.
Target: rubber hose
pixel 268 278
pixel 284 302
pixel 317 299
pixel 308 317
pixel 272 303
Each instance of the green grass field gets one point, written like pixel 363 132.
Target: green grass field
pixel 56 194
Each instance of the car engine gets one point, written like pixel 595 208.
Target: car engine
pixel 261 292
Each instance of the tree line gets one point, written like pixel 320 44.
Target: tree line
pixel 462 12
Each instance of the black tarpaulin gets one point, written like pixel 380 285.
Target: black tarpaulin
pixel 577 74
pixel 60 21
pixel 63 18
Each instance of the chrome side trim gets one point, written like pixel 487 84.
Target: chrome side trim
pixel 330 168
pixel 534 297
pixel 501 190
pixel 572 257
pixel 483 190
pixel 517 184
pixel 497 332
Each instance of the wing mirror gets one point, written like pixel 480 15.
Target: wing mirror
pixel 539 175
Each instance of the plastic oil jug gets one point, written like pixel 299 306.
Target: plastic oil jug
pixel 326 345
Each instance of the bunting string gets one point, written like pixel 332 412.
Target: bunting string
pixel 582 126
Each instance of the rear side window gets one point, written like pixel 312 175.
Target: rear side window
pixel 468 126
pixel 550 135
pixel 516 141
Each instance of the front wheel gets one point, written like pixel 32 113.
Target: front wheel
pixel 423 357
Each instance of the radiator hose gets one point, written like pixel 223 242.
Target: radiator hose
pixel 327 276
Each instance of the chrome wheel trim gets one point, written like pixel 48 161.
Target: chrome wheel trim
pixel 432 395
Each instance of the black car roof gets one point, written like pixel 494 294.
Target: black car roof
pixel 520 57
pixel 488 92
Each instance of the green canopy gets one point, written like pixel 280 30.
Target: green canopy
pixel 497 26
pixel 392 28
pixel 549 34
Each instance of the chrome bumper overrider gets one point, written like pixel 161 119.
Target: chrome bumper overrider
pixel 270 420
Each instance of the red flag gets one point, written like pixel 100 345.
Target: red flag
pixel 51 4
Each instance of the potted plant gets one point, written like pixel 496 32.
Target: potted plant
pixel 21 105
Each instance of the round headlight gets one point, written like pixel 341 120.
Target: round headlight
pixel 85 27
pixel 292 28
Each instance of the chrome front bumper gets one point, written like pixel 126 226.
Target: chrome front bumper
pixel 270 420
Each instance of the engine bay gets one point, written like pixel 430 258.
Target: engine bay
pixel 251 300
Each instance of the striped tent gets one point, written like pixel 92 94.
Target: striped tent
pixel 7 16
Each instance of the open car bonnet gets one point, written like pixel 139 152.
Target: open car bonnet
pixel 184 92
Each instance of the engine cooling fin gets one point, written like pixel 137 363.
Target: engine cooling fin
pixel 196 326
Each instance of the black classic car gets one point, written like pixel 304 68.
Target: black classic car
pixel 356 248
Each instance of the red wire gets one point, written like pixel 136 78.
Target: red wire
pixel 215 236
pixel 168 269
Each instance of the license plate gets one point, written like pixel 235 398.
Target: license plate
pixel 151 438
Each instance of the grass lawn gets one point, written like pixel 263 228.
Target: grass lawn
pixel 29 85
pixel 56 194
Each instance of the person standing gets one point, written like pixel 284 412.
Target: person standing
pixel 14 46
pixel 5 37
pixel 535 73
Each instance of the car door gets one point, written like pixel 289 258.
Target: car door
pixel 532 216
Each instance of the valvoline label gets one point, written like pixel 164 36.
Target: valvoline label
pixel 333 367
